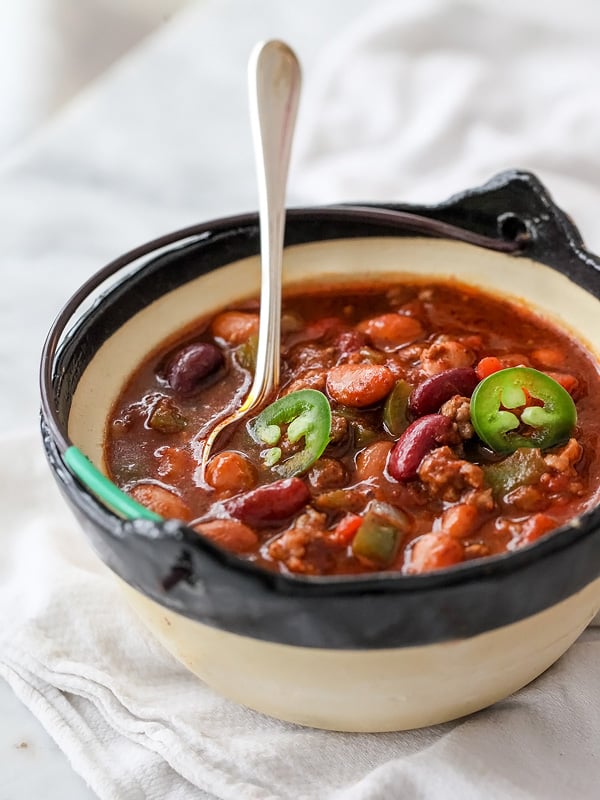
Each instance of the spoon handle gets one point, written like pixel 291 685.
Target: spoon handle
pixel 274 89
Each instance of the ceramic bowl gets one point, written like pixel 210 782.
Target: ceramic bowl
pixel 370 653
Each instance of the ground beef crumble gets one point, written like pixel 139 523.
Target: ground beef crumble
pixel 482 499
pixel 458 410
pixel 565 459
pixel 292 545
pixel 448 477
pixel 327 473
pixel 445 354
pixel 311 379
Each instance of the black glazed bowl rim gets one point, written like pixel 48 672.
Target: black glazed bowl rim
pixel 169 562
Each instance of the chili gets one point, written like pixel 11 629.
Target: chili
pixel 382 451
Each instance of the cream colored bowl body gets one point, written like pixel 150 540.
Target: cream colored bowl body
pixel 372 690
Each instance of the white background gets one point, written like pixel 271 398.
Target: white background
pixel 58 60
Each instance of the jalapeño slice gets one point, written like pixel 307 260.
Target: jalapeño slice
pixel 308 415
pixel 506 413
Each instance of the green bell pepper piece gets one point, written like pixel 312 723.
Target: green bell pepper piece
pixel 245 355
pixel 524 467
pixel 380 534
pixel 395 410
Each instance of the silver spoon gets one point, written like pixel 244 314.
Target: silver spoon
pixel 274 89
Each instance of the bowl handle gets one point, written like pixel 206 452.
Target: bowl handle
pixel 515 205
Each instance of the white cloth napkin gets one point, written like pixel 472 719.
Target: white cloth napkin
pixel 135 724
pixel 414 101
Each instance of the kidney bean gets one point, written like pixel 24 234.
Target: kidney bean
pixel 430 395
pixel 414 444
pixel 359 385
pixel 270 504
pixel 349 342
pixel 191 365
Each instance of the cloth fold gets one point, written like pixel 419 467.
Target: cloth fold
pixel 413 102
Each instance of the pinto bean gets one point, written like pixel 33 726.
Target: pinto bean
pixel 325 329
pixel 311 379
pixel 476 550
pixel 161 501
pixel 230 471
pixel 192 365
pixel 359 385
pixel 174 463
pixel 389 331
pixel 270 504
pixel 230 534
pixel 548 357
pixel 568 382
pixel 417 440
pixel 434 551
pixel 235 327
pixel 430 395
pixel 535 527
pixel 370 462
pixel 460 521
pixel 514 360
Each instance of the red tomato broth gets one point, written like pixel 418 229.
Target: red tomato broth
pixel 457 327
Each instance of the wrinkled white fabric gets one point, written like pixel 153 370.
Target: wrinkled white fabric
pixel 413 101
pixel 50 49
